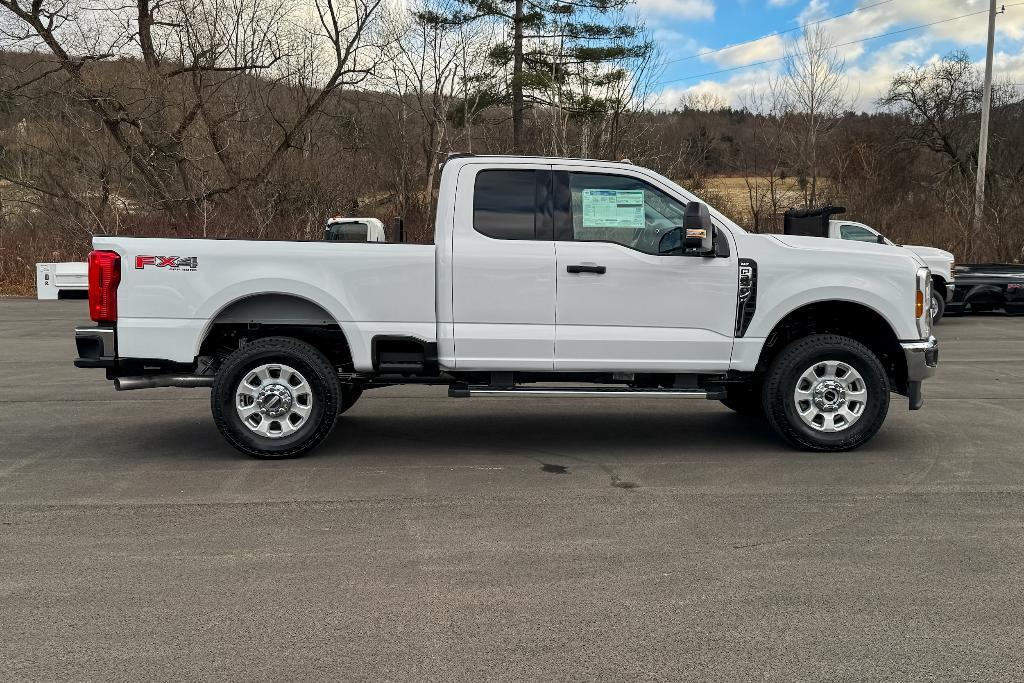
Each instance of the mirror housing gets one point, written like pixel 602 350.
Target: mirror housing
pixel 881 239
pixel 699 232
pixel 695 237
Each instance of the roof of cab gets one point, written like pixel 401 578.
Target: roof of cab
pixel 512 158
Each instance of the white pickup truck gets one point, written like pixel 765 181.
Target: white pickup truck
pixel 548 277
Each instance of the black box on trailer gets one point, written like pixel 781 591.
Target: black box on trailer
pixel 809 222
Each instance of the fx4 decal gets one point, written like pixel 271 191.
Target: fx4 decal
pixel 172 262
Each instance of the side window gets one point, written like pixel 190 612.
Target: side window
pixel 623 210
pixel 505 204
pixel 857 233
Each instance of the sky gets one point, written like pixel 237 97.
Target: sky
pixel 684 28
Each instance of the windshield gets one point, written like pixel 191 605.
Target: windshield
pixel 345 232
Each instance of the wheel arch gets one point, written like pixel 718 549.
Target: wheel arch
pixel 847 318
pixel 939 285
pixel 268 314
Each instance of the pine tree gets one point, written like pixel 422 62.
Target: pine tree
pixel 563 54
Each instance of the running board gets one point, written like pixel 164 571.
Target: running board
pixel 466 391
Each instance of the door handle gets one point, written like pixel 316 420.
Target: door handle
pixel 600 270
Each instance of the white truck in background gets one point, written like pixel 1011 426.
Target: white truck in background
pixel 354 229
pixel 61 280
pixel 548 277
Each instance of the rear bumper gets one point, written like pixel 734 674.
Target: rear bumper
pixel 922 359
pixel 97 346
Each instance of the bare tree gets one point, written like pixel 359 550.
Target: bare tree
pixel 169 83
pixel 765 159
pixel 812 92
pixel 939 103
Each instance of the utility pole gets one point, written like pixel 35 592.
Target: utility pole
pixel 986 105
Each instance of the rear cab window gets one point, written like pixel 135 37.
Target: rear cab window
pixel 507 204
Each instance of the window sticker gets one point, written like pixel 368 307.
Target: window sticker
pixel 613 209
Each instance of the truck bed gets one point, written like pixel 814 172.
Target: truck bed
pixel 169 297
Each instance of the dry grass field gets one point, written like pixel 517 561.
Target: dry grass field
pixel 732 194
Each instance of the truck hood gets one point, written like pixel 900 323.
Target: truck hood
pixel 833 246
pixel 930 253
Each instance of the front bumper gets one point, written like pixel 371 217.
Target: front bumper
pixel 950 288
pixel 922 359
pixel 97 346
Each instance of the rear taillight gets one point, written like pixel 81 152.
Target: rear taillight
pixel 104 276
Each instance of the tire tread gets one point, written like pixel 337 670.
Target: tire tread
pixel 301 350
pixel 775 394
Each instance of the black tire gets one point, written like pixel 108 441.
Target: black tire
pixel 319 374
pixel 939 304
pixel 785 372
pixel 350 393
pixel 745 399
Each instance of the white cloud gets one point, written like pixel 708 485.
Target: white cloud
pixel 678 9
pixel 737 90
pixel 1007 68
pixel 770 47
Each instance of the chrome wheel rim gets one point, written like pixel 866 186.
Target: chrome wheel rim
pixel 934 308
pixel 273 400
pixel 830 396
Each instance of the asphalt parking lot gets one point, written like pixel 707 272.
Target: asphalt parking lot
pixel 434 538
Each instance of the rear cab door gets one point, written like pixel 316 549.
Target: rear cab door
pixel 502 270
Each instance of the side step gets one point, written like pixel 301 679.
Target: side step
pixel 467 391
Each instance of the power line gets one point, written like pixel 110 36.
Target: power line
pixel 776 33
pixel 852 42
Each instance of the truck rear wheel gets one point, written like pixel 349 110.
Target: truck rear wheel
pixel 826 392
pixel 276 397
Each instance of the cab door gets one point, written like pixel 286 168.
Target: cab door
pixel 503 269
pixel 621 305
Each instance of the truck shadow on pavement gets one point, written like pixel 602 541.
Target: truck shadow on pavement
pixel 555 439
pixel 561 438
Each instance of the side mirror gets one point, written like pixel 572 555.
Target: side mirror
pixel 881 239
pixel 699 232
pixel 696 236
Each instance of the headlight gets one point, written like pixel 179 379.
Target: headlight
pixel 923 302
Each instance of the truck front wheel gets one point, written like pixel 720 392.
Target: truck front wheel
pixel 826 392
pixel 938 306
pixel 276 397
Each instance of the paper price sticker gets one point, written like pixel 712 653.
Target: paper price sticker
pixel 613 209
